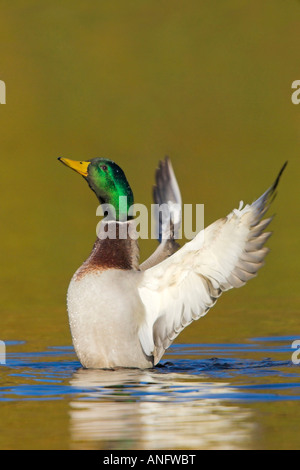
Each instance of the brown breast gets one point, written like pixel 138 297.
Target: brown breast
pixel 117 249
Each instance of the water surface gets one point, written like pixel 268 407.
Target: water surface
pixel 202 396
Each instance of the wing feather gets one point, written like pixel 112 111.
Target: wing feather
pixel 166 193
pixel 186 285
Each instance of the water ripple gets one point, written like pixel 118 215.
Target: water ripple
pixel 190 372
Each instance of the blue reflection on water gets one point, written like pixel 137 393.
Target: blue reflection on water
pixel 191 371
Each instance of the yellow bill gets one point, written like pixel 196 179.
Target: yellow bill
pixel 79 167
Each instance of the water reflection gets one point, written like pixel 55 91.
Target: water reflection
pixel 204 396
pixel 152 410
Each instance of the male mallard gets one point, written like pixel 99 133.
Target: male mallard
pixel 123 314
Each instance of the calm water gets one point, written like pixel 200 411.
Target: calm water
pixel 203 396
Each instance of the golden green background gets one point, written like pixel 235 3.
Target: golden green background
pixel 208 83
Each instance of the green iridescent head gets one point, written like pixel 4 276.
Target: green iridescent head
pixel 108 182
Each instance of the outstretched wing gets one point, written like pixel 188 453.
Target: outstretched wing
pixel 167 197
pixel 185 286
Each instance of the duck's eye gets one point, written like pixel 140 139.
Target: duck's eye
pixel 104 167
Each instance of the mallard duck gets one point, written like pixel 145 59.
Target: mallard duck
pixel 123 314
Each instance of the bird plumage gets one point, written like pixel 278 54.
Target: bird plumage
pixel 123 314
